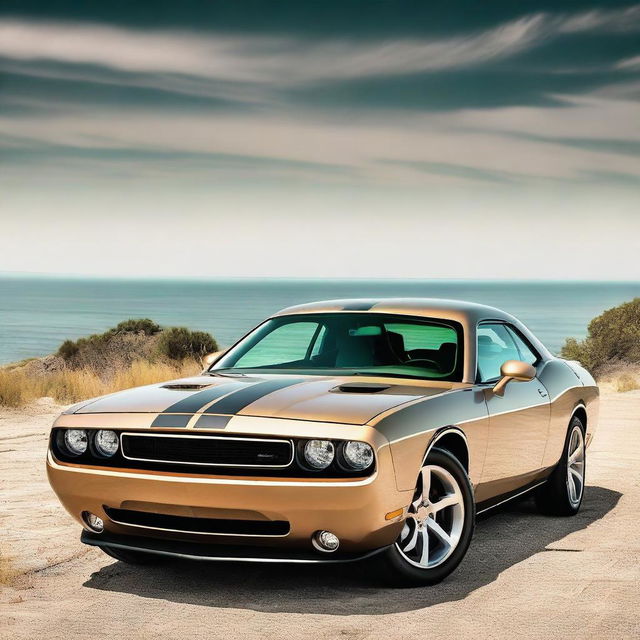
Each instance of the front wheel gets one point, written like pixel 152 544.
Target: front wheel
pixel 439 524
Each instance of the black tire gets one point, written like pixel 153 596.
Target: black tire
pixel 554 496
pixel 130 556
pixel 393 563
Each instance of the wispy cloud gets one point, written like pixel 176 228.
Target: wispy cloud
pixel 284 60
pixel 629 63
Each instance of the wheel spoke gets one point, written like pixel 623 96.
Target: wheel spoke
pixel 447 501
pixel 414 539
pixel 424 556
pixel 575 473
pixel 439 531
pixel 405 532
pixel 572 489
pixel 575 456
pixel 426 482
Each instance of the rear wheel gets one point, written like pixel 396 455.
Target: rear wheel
pixel 439 524
pixel 131 556
pixel 562 494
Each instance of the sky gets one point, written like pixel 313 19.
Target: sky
pixel 396 139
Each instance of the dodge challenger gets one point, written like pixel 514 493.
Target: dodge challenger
pixel 336 431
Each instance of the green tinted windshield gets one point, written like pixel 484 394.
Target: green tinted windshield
pixel 351 344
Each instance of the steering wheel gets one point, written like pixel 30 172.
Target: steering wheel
pixel 424 362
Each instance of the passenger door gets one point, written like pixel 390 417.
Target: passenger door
pixel 518 420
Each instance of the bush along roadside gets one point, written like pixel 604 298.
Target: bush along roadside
pixel 133 353
pixel 611 350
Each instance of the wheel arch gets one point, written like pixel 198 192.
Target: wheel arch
pixel 580 411
pixel 453 440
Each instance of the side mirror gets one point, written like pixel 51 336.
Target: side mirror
pixel 210 358
pixel 513 370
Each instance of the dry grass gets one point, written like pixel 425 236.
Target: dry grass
pixel 626 382
pixel 620 377
pixel 18 388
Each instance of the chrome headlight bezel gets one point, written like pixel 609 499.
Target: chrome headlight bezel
pixel 357 455
pixel 75 441
pixel 106 443
pixel 319 454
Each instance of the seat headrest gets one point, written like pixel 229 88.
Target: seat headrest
pixel 397 344
pixel 447 356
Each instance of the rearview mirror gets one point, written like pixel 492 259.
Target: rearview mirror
pixel 513 370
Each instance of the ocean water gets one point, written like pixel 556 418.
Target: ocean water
pixel 38 313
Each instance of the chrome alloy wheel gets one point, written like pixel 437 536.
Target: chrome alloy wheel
pixel 435 519
pixel 575 465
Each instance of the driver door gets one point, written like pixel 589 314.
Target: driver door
pixel 519 420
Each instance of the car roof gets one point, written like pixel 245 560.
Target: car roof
pixel 467 313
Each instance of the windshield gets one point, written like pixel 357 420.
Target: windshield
pixel 350 344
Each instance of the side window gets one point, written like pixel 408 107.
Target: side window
pixel 288 343
pixel 495 347
pixel 526 353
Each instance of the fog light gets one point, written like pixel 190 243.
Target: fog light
pixel 325 541
pixel 92 521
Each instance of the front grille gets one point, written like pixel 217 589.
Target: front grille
pixel 207 526
pixel 216 451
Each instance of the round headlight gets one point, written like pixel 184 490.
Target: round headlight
pixel 358 455
pixel 106 442
pixel 76 441
pixel 319 453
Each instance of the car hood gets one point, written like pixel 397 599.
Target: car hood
pixel 346 400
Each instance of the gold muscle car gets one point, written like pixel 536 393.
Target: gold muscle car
pixel 333 432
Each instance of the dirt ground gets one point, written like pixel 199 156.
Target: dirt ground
pixel 526 576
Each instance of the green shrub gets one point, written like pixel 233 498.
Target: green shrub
pixel 98 342
pixel 138 325
pixel 613 336
pixel 68 349
pixel 179 343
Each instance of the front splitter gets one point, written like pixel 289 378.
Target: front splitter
pixel 219 553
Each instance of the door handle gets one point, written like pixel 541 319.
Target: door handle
pixel 542 392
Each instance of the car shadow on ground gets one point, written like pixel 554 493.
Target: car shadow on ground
pixel 503 538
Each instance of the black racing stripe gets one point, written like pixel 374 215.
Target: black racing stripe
pixel 198 400
pixel 240 399
pixel 212 421
pixel 166 420
pixel 364 305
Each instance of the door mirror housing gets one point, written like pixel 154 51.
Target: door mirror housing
pixel 513 370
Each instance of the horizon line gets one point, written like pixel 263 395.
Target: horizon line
pixel 193 278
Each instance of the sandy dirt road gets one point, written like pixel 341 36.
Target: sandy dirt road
pixel 525 576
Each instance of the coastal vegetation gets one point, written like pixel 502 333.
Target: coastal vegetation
pixel 611 350
pixel 135 352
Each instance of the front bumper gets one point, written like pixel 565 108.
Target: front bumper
pixel 353 509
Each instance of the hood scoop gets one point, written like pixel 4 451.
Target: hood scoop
pixel 185 386
pixel 362 387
